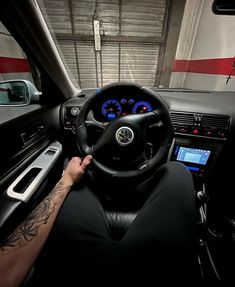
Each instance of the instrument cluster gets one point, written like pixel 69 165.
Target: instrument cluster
pixel 113 108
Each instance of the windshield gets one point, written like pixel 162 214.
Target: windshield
pixel 156 43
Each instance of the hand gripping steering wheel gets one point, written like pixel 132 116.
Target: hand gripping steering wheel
pixel 128 135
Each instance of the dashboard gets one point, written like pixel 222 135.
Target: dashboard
pixel 112 107
pixel 202 129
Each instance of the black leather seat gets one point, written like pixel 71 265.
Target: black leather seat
pixel 119 222
pixel 81 251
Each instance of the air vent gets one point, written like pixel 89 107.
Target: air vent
pixel 215 121
pixel 182 118
pixel 201 125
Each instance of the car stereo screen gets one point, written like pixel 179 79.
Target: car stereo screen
pixel 197 156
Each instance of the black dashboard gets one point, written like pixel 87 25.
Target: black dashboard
pixel 203 125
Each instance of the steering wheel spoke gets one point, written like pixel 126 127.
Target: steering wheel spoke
pixel 95 125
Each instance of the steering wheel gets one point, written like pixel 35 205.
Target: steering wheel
pixel 128 135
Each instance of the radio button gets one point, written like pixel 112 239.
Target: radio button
pixel 208 133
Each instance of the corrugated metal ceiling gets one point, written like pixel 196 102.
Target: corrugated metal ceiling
pixel 133 34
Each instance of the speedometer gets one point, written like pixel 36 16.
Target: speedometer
pixel 111 109
pixel 142 107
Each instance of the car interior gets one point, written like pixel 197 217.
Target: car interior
pixel 130 127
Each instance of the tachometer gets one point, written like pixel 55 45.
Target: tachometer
pixel 142 107
pixel 111 109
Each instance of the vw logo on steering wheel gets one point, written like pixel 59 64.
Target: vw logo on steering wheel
pixel 124 135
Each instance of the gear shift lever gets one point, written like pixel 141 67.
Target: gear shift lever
pixel 202 199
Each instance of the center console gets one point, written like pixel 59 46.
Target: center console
pixel 196 159
pixel 199 155
pixel 199 139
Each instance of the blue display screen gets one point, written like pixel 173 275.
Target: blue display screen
pixel 192 168
pixel 193 155
pixel 111 116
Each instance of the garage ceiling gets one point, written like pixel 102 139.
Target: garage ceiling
pixel 133 39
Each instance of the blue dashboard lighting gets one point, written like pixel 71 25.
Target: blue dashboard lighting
pixel 142 107
pixel 176 150
pixel 192 168
pixel 111 109
pixel 111 116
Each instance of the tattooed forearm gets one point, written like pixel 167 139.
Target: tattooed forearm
pixel 29 228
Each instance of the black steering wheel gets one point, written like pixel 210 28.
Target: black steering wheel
pixel 127 135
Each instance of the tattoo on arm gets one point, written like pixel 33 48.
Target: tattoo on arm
pixel 29 228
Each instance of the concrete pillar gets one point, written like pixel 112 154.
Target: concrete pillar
pixel 191 18
pixel 13 61
pixel 206 49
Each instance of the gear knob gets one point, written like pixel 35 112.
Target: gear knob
pixel 202 196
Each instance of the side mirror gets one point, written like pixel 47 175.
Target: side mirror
pixel 223 7
pixel 18 93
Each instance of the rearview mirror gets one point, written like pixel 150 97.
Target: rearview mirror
pixel 223 7
pixel 18 93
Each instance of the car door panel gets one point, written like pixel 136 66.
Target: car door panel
pixel 28 181
pixel 31 163
pixel 24 136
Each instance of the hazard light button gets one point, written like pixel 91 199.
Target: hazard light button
pixel 196 131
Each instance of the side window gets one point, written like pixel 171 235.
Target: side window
pixel 19 79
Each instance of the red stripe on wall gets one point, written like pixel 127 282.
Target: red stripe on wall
pixel 221 66
pixel 13 65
